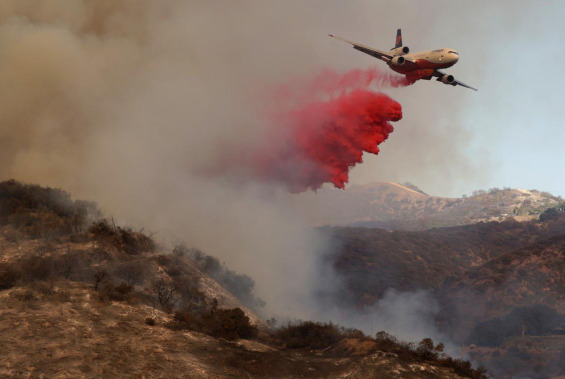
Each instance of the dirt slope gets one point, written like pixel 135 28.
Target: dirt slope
pixel 63 331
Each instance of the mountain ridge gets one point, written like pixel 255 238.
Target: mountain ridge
pixel 394 206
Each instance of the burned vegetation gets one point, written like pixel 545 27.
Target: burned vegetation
pixel 32 212
pixel 68 240
pixel 240 285
pixel 55 250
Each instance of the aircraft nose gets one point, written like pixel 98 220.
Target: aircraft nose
pixel 455 57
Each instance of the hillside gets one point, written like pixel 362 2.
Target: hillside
pixel 372 260
pixel 529 276
pixel 64 331
pixel 499 285
pixel 393 206
pixel 83 297
pixel 535 273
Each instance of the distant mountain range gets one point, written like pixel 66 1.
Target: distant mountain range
pixel 394 206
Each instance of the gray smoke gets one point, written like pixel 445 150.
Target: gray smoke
pixel 123 101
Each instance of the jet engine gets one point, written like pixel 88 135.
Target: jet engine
pixel 400 50
pixel 398 61
pixel 447 79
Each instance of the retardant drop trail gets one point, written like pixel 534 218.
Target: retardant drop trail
pixel 318 129
pixel 326 139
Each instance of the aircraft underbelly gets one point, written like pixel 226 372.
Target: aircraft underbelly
pixel 419 74
pixel 421 68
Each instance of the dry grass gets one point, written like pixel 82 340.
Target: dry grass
pixel 86 302
pixel 75 335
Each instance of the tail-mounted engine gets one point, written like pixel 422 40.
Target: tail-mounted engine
pixel 400 50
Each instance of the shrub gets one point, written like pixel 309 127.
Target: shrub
pixel 42 212
pixel 102 228
pixel 310 334
pixel 427 350
pixel 230 324
pixel 552 213
pixel 387 342
pixel 123 289
pixel 464 368
pixel 234 324
pixel 9 276
pixel 34 267
pixel 122 238
pixel 98 278
pixel 188 289
pixel 136 242
pixel 121 292
pixel 164 292
pixel 105 290
pixel 240 285
pixel 131 272
pixel 66 264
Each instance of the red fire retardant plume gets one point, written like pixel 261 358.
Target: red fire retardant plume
pixel 318 129
pixel 325 139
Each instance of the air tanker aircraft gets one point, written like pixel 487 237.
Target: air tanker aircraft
pixel 419 65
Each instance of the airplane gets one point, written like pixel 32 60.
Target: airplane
pixel 419 65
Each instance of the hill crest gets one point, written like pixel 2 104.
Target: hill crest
pixel 395 206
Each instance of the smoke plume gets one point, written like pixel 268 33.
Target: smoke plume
pixel 124 102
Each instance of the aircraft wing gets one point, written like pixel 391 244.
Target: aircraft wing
pixel 439 74
pixel 379 54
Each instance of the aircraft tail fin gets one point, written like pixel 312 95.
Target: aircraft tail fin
pixel 398 39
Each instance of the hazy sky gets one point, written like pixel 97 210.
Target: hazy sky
pixel 510 131
pixel 451 140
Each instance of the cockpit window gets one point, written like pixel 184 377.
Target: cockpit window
pixel 453 52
